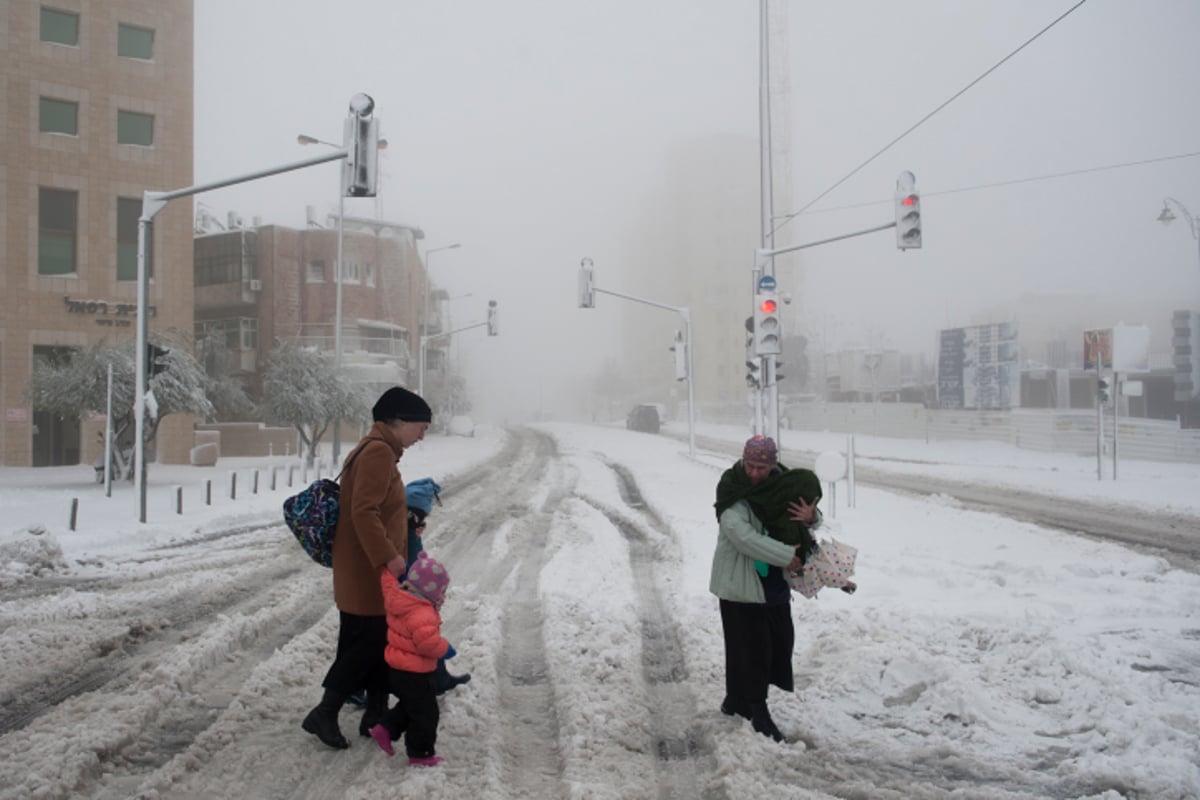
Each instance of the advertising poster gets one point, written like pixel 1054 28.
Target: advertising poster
pixel 979 367
pixel 1097 349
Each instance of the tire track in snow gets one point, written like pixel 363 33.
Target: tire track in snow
pixel 507 490
pixel 684 752
pixel 165 693
pixel 147 629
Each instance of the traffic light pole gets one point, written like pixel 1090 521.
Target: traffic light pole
pixel 760 254
pixel 1099 420
pixel 769 383
pixel 152 203
pixel 691 377
pixel 1116 401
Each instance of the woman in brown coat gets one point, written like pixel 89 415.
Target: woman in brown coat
pixel 372 533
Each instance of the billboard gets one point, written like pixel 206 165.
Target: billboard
pixel 1097 349
pixel 1122 348
pixel 979 367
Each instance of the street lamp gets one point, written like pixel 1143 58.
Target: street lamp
pixel 1166 217
pixel 337 278
pixel 425 317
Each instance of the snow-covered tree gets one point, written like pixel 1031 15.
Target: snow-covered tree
pixel 77 386
pixel 223 388
pixel 302 388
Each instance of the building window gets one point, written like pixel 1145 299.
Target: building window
pixel 135 42
pixel 369 277
pixel 315 272
pixel 128 211
pixel 135 128
pixel 350 272
pixel 58 227
pixel 60 27
pixel 58 116
pixel 240 333
pixel 225 258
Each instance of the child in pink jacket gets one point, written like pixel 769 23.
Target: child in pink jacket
pixel 414 646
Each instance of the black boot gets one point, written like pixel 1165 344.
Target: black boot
pixel 760 720
pixel 443 681
pixel 375 711
pixel 322 721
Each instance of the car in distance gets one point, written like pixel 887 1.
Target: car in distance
pixel 643 418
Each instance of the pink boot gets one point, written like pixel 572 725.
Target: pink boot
pixel 427 761
pixel 383 739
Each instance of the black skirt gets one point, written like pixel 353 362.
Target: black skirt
pixel 759 640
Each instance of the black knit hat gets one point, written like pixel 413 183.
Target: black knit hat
pixel 399 403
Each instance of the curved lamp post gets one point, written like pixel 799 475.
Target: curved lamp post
pixel 1166 217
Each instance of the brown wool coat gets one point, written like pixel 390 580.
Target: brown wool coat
pixel 372 525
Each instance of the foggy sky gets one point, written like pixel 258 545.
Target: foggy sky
pixel 528 131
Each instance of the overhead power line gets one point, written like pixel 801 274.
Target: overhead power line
pixel 925 118
pixel 1014 181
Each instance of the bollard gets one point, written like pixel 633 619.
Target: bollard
pixel 178 499
pixel 74 511
pixel 233 486
pixel 254 483
pixel 291 474
pixel 273 471
pixel 208 492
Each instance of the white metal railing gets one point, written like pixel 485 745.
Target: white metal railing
pixel 1047 430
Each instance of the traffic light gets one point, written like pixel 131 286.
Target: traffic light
pixel 908 213
pixel 753 364
pixel 361 166
pixel 493 330
pixel 1102 390
pixel 753 378
pixel 767 328
pixel 680 350
pixel 156 359
pixel 587 293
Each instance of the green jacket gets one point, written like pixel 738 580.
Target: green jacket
pixel 741 540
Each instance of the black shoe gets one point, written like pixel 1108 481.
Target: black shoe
pixel 451 681
pixel 731 707
pixel 369 721
pixel 324 725
pixel 761 721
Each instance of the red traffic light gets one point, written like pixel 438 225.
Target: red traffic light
pixel 767 306
pixel 911 200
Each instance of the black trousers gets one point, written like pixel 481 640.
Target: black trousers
pixel 359 660
pixel 759 640
pixel 415 713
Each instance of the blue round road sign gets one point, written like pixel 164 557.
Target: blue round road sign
pixel 766 283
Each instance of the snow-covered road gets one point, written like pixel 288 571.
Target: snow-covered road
pixel 982 658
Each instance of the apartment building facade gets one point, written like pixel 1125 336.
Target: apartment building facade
pixel 96 100
pixel 259 287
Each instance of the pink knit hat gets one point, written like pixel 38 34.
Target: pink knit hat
pixel 429 578
pixel 760 451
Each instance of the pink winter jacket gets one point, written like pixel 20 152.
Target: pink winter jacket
pixel 415 640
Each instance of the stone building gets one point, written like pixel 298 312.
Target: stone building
pixel 96 101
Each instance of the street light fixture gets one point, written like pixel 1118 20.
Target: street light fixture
pixel 337 277
pixel 425 317
pixel 1166 217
